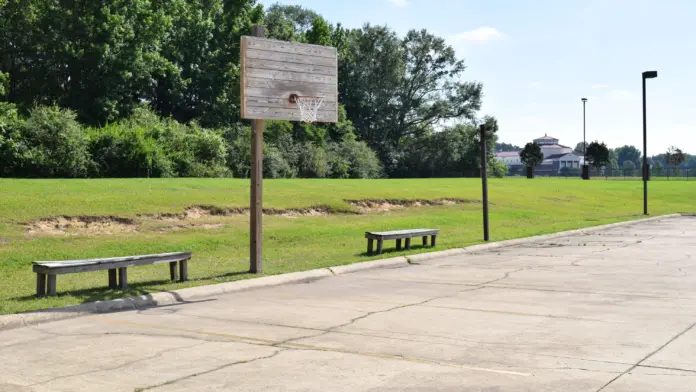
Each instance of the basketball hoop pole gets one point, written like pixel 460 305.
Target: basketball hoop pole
pixel 256 202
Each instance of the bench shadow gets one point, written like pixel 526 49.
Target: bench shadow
pixel 390 251
pixel 135 289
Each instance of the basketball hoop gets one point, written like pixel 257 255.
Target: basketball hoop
pixel 309 106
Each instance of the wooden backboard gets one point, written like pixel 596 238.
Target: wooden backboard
pixel 272 70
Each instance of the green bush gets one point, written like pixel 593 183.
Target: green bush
pixel 195 151
pixel 51 143
pixel 128 150
pixel 352 159
pixel 275 166
pixel 497 168
pixel 145 145
pixel 312 161
pixel 238 141
pixel 12 144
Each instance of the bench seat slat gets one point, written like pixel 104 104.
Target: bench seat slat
pixel 396 234
pixel 74 266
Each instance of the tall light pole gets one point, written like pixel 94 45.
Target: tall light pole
pixel 585 168
pixel 646 75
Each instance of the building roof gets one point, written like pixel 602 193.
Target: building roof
pixel 504 154
pixel 556 156
pixel 546 137
pixel 553 145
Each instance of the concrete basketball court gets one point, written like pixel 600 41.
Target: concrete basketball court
pixel 611 310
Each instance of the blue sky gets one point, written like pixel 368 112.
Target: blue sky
pixel 537 58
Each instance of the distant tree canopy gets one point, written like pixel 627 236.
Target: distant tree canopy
pixel 629 166
pixel 674 157
pixel 580 147
pixel 627 153
pixel 531 155
pixel 597 154
pixel 506 147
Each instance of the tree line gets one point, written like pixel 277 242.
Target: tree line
pixel 598 155
pixel 140 88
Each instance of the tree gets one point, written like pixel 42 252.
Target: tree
pixel 398 89
pixel 597 154
pixel 627 153
pixel 531 155
pixel 506 147
pixel 628 167
pixel 103 59
pixel 580 147
pixel 674 157
pixel 289 22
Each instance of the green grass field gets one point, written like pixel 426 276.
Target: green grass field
pixel 519 208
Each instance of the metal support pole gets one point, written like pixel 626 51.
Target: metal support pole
pixel 256 202
pixel 585 168
pixel 645 155
pixel 484 181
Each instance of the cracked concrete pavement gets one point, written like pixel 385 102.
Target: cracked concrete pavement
pixel 611 311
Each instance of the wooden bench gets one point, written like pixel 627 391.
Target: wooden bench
pixel 398 235
pixel 46 271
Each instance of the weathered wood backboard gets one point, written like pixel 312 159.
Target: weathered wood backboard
pixel 273 70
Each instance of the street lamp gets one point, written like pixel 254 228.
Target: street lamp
pixel 585 168
pixel 646 75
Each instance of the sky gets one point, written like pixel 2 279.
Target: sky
pixel 538 58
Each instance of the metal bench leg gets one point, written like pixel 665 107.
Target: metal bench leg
pixel 51 290
pixel 370 244
pixel 425 240
pixel 183 270
pixel 408 244
pixel 398 244
pixel 123 278
pixel 433 238
pixel 172 271
pixel 379 247
pixel 112 279
pixel 40 284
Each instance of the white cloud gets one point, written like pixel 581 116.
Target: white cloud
pixel 480 35
pixel 534 84
pixel 399 3
pixel 596 86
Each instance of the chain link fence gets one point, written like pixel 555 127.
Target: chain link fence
pixel 661 174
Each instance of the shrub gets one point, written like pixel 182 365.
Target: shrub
pixel 238 141
pixel 353 159
pixel 312 161
pixel 275 166
pixel 195 151
pixel 53 144
pixel 129 150
pixel 12 144
pixel 497 168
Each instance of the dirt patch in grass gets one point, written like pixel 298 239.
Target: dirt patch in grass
pixel 194 213
pixel 81 225
pixel 204 226
pixel 380 205
pixel 194 217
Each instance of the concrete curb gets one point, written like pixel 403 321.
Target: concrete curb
pixel 192 293
pixel 368 265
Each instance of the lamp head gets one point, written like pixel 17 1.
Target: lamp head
pixel 584 99
pixel 649 74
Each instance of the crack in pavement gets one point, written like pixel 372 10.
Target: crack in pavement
pixel 368 314
pixel 667 368
pixel 211 370
pixel 160 353
pixel 648 356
